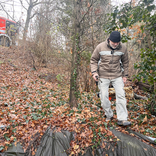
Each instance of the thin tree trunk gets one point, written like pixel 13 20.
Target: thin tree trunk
pixel 27 23
pixel 75 57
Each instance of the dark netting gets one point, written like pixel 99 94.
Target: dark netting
pixel 15 150
pixel 131 146
pixel 142 136
pixel 54 143
pixel 57 144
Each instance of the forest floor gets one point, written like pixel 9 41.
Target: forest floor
pixel 29 104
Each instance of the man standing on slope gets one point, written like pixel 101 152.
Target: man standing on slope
pixel 105 65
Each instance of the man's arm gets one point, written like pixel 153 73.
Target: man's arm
pixel 94 63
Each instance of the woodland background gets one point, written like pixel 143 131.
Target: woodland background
pixel 49 67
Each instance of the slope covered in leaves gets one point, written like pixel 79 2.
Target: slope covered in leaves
pixel 28 105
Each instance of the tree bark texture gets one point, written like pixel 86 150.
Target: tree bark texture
pixel 29 10
pixel 75 56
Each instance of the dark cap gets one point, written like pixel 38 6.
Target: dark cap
pixel 115 36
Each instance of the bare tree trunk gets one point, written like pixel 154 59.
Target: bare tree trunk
pixel 155 85
pixel 13 10
pixel 75 57
pixel 27 21
pixel 32 4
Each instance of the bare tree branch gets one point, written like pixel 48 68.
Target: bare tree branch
pixel 36 1
pixel 33 15
pixel 87 11
pixel 6 12
pixel 28 2
pixel 22 4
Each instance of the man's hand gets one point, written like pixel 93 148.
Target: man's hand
pixel 124 79
pixel 95 76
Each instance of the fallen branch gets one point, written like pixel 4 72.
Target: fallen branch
pixel 136 96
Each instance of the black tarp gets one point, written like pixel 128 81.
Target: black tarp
pixel 54 143
pixel 57 144
pixel 15 150
pixel 126 146
pixel 131 146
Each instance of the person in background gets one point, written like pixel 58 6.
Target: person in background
pixel 106 67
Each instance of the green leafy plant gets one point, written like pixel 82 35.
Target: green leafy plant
pixel 125 18
pixel 60 77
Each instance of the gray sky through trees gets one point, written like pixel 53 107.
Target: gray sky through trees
pixel 12 9
pixel 18 13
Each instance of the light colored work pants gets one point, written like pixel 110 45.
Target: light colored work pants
pixel 121 101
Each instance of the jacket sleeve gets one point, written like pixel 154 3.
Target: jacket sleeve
pixel 94 60
pixel 125 63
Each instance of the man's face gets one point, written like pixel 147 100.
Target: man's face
pixel 113 44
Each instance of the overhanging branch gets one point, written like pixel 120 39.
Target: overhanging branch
pixel 6 12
